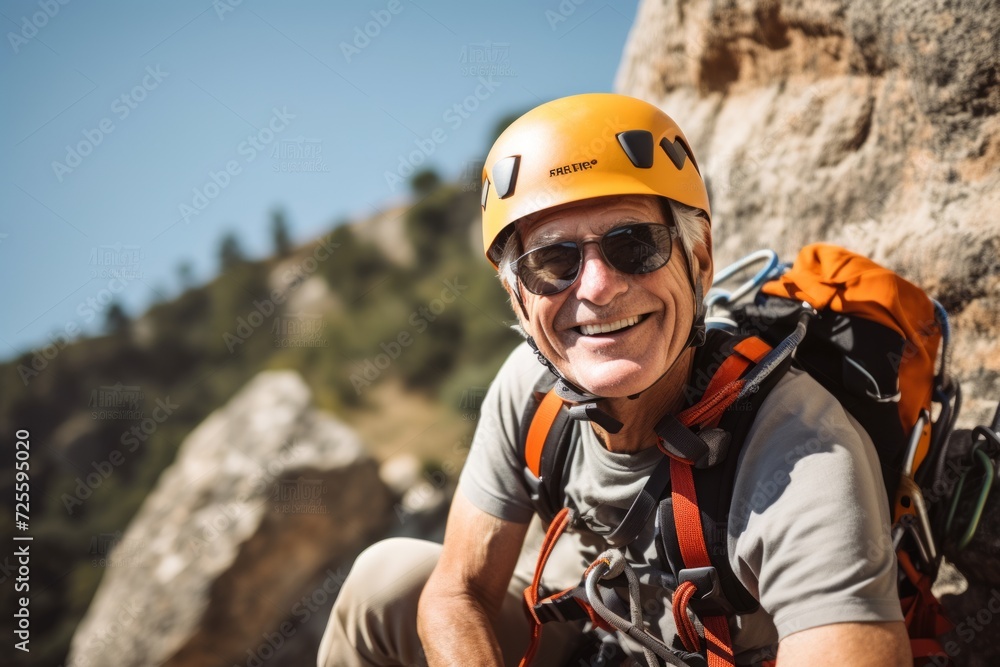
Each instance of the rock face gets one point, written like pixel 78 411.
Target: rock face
pixel 238 552
pixel 874 125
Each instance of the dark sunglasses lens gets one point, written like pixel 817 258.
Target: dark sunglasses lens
pixel 638 249
pixel 549 269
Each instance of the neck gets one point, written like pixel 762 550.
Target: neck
pixel 640 415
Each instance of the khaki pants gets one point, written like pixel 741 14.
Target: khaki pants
pixel 374 620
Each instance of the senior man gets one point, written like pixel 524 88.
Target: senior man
pixel 597 218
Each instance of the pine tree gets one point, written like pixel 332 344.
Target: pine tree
pixel 230 251
pixel 280 234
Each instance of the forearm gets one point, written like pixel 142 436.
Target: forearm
pixel 455 629
pixel 468 587
pixel 856 644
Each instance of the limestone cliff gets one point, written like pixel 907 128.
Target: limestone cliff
pixel 871 124
pixel 874 125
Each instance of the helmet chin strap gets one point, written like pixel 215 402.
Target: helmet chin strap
pixel 585 404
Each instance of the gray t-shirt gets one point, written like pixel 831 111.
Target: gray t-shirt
pixel 808 531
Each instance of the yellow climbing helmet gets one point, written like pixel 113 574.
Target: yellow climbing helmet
pixel 581 147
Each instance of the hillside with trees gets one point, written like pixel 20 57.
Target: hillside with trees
pixel 397 324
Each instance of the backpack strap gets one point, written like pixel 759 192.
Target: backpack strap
pixel 541 424
pixel 545 447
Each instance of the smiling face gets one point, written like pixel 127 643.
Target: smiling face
pixel 610 333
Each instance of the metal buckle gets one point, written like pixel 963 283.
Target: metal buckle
pixel 873 391
pixel 709 599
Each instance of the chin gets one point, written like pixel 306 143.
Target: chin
pixel 614 379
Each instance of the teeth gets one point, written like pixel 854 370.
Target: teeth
pixel 591 329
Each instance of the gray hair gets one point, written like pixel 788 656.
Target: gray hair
pixel 692 226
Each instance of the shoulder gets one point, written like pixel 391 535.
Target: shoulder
pixel 492 475
pixel 522 360
pixel 503 408
pixel 802 430
pixel 519 375
pixel 809 521
pixel 800 414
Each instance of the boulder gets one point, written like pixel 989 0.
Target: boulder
pixel 239 551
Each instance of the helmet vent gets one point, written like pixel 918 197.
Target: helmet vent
pixel 486 191
pixel 505 175
pixel 638 145
pixel 677 151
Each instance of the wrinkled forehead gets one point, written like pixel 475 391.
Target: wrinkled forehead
pixel 588 217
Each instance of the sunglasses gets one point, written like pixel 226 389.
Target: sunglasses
pixel 637 248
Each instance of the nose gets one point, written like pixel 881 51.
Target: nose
pixel 599 282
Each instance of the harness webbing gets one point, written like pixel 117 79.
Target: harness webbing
pixel 922 613
pixel 687 518
pixel 558 526
pixel 726 383
pixel 722 391
pixel 733 366
pixel 545 416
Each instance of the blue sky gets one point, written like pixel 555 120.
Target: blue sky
pixel 137 133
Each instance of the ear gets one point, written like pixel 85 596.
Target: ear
pixel 704 268
pixel 517 305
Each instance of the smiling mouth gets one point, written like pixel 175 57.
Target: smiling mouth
pixel 611 327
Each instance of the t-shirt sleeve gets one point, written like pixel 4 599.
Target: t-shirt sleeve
pixel 492 476
pixel 809 523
